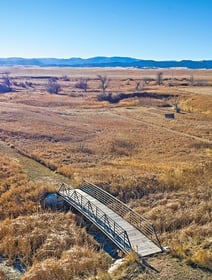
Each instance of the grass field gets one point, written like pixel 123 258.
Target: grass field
pixel 160 167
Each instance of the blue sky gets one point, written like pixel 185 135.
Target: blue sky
pixel 145 29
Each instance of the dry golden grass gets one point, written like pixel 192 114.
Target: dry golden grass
pixel 46 243
pixel 40 236
pixel 77 263
pixel 198 103
pixel 160 167
pixel 18 196
pixel 42 240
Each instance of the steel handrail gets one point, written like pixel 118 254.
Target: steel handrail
pixel 112 229
pixel 141 223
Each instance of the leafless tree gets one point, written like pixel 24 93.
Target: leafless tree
pixel 104 82
pixel 192 80
pixel 159 79
pixel 138 86
pixel 176 106
pixel 6 79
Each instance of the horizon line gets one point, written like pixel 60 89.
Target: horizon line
pixel 101 56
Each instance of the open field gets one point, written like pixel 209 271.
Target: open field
pixel 160 167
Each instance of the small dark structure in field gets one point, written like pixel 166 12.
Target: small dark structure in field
pixel 169 116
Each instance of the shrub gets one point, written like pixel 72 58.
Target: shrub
pixel 77 263
pixel 53 86
pixel 109 97
pixel 4 88
pixel 82 84
pixel 65 78
pixel 203 259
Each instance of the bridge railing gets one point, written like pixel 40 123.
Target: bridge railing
pixel 113 230
pixel 139 222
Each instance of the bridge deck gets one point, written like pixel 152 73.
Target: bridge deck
pixel 139 242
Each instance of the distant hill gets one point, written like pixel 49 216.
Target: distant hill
pixel 101 61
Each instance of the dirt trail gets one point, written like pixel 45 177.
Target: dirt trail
pixel 118 113
pixel 175 269
pixel 36 171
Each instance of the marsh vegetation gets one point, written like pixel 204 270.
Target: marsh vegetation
pixel 160 167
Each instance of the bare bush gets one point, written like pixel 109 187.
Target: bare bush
pixel 65 78
pixel 5 86
pixel 53 86
pixel 109 97
pixel 82 84
pixel 147 80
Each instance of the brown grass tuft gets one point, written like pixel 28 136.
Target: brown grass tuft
pixel 77 263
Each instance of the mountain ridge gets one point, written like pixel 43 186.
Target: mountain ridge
pixel 103 61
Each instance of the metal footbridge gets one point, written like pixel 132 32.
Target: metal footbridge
pixel 127 229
